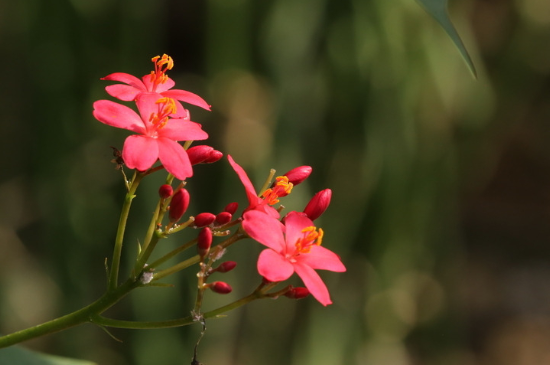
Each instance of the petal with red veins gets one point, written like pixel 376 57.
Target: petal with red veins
pixel 140 152
pixel 273 266
pixel 265 229
pixel 320 258
pixel 117 115
pixel 127 79
pixel 181 130
pixel 313 283
pixel 168 84
pixel 174 158
pixel 187 97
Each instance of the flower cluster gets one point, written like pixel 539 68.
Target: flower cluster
pixel 160 123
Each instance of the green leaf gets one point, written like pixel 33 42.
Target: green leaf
pixel 19 356
pixel 438 10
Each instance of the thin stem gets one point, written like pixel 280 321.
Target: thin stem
pixel 173 253
pixel 78 317
pixel 117 251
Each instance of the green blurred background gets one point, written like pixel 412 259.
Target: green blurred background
pixel 441 205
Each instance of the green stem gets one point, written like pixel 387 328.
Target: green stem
pixel 173 253
pixel 117 251
pixel 76 318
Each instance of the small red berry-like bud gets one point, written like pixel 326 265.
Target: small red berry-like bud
pixel 166 191
pixel 199 154
pixel 204 219
pixel 215 155
pixel 231 207
pixel 223 218
pixel 178 205
pixel 318 204
pixel 298 174
pixel 297 293
pixel 226 266
pixel 204 241
pixel 220 287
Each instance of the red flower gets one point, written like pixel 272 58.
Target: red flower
pixel 254 201
pixel 158 133
pixel 155 82
pixel 293 247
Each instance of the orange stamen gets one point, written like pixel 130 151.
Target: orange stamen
pixel 312 236
pixel 281 187
pixel 162 64
pixel 166 107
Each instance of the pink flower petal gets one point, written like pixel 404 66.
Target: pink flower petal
pixel 160 87
pixel 320 258
pixel 313 283
pixel 123 92
pixel 273 266
pixel 127 79
pixel 187 97
pixel 248 187
pixel 181 130
pixel 264 229
pixel 147 105
pixel 295 222
pixel 174 158
pixel 140 152
pixel 117 115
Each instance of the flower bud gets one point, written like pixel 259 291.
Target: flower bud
pixel 226 266
pixel 223 218
pixel 318 204
pixel 297 293
pixel 231 207
pixel 298 174
pixel 204 219
pixel 220 287
pixel 178 205
pixel 166 191
pixel 215 155
pixel 204 241
pixel 198 154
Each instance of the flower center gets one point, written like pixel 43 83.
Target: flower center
pixel 166 107
pixel 281 187
pixel 162 64
pixel 312 236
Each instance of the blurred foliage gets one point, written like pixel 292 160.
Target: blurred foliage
pixel 440 203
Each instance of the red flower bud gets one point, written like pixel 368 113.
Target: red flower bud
pixel 231 207
pixel 226 266
pixel 318 204
pixel 297 293
pixel 223 218
pixel 204 219
pixel 198 154
pixel 166 191
pixel 215 155
pixel 178 205
pixel 298 174
pixel 204 241
pixel 220 287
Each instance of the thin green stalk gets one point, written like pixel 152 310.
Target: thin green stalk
pixel 76 318
pixel 117 251
pixel 173 253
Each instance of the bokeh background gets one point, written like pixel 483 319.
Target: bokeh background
pixel 441 199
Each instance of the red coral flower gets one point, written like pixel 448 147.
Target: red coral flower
pixel 158 133
pixel 293 247
pixel 254 201
pixel 156 82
